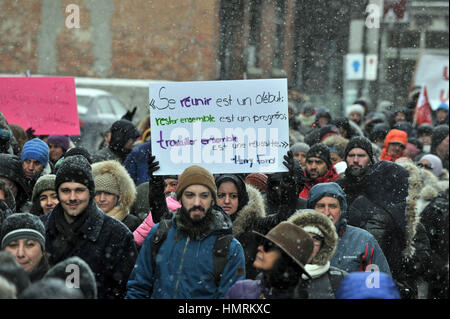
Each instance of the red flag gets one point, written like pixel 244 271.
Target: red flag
pixel 422 112
pixel 397 6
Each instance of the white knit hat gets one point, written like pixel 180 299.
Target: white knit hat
pixel 313 229
pixel 354 108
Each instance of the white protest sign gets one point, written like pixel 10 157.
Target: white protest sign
pixel 432 73
pixel 223 126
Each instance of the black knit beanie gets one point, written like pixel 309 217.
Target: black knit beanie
pixel 79 150
pixel 77 169
pixel 121 131
pixel 360 142
pixel 321 151
pixel 440 132
pixel 22 225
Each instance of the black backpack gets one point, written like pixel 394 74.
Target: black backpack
pixel 220 251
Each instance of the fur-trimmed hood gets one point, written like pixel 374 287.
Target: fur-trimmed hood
pixel 121 179
pixel 426 185
pixel 254 209
pixel 310 217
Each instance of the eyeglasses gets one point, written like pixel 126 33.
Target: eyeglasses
pixel 425 166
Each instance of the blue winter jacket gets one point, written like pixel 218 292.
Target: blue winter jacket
pixel 357 248
pixel 136 163
pixel 184 266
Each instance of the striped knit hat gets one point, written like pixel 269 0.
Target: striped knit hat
pixel 36 149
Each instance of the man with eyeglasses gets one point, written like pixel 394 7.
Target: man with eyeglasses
pixel 77 227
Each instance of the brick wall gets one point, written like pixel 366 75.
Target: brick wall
pixel 170 39
pixel 19 24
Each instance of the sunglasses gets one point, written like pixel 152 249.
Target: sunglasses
pixel 317 238
pixel 268 246
pixel 425 166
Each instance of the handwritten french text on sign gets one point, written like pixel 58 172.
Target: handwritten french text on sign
pixel 223 126
pixel 432 73
pixel 47 104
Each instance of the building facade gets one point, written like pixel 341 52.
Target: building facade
pixel 304 41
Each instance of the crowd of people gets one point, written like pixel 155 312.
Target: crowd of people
pixel 362 212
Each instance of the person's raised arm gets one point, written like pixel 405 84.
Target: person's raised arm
pixel 156 197
pixel 291 185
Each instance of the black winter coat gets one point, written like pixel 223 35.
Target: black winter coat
pixel 387 210
pixel 435 220
pixel 105 244
pixel 381 210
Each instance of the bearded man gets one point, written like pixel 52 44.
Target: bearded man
pixel 359 157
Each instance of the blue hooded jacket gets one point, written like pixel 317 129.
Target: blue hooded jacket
pixel 184 266
pixel 357 248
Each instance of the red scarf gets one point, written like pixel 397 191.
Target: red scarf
pixel 330 176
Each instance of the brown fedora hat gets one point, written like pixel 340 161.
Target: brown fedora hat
pixel 293 240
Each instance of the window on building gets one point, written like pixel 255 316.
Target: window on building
pixel 436 40
pixel 280 29
pixel 405 39
pixel 254 34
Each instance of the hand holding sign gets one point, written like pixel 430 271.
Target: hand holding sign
pixel 292 181
pixel 157 181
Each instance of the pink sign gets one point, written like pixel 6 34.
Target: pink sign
pixel 47 104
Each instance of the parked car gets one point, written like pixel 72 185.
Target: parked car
pixel 97 111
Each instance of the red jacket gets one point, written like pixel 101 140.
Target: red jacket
pixel 330 176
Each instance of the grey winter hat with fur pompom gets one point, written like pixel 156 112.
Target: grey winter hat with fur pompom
pixel 309 217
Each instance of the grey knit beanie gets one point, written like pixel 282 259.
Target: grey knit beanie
pixel 44 183
pixel 300 147
pixel 22 225
pixel 106 183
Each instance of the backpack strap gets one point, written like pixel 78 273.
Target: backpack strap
pixel 159 237
pixel 220 254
